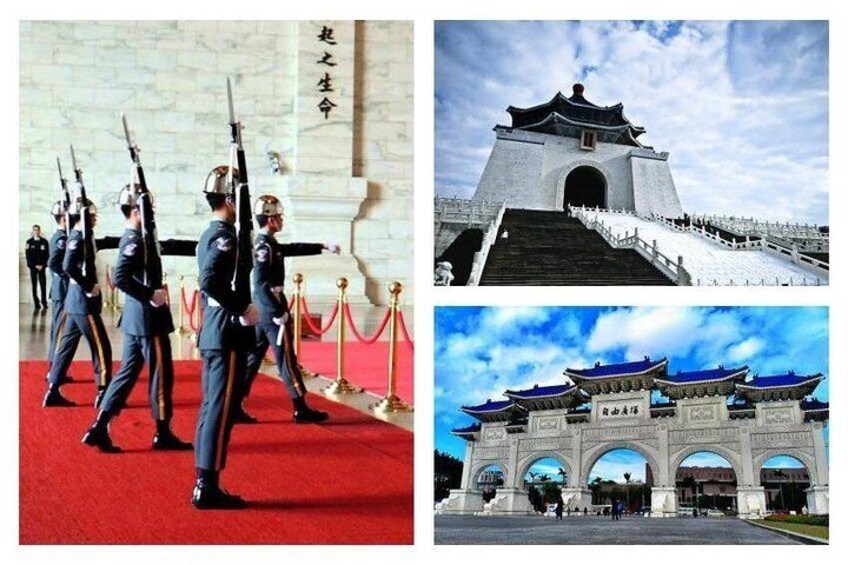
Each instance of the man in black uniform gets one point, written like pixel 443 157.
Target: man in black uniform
pixel 83 305
pixel 37 253
pixel 146 324
pixel 224 341
pixel 275 326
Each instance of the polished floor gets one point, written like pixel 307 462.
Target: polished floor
pixel 34 329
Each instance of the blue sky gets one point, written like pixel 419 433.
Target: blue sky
pixel 742 107
pixel 480 352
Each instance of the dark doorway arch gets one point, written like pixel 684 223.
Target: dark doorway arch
pixel 585 186
pixel 460 254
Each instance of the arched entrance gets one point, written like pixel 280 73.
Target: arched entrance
pixel 585 186
pixel 489 480
pixel 705 482
pixel 544 480
pixel 620 475
pixel 785 480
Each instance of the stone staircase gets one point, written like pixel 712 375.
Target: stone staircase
pixel 549 248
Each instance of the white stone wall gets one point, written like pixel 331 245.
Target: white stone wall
pixel 529 169
pixel 169 78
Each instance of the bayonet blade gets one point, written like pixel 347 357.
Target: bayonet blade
pixel 126 129
pixel 230 101
pixel 73 158
pixel 59 164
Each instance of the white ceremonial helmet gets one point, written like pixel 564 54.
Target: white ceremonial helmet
pixel 58 208
pixel 216 180
pixel 129 196
pixel 267 205
pixel 77 206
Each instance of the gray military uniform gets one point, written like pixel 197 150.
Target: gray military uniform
pixel 269 275
pixel 58 289
pixel 82 314
pixel 223 344
pixel 145 328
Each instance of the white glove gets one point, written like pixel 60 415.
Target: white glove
pixel 95 291
pixel 334 248
pixel 160 297
pixel 250 316
pixel 282 319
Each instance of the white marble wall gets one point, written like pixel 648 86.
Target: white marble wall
pixel 169 78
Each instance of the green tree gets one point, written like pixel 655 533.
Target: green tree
pixel 447 474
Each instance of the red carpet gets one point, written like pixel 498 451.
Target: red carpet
pixel 366 365
pixel 346 482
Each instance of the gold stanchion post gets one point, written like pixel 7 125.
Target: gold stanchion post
pixel 391 402
pixel 298 324
pixel 341 385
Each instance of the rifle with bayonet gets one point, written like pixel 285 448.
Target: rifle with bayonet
pixel 66 196
pixel 85 215
pixel 241 197
pixel 149 237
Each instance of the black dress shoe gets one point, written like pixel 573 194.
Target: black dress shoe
pixel 54 399
pixel 208 497
pixel 99 438
pixel 242 417
pixel 309 416
pixel 167 441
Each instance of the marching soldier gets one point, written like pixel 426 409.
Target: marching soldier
pixel 146 324
pixel 275 327
pixel 58 279
pixel 224 341
pixel 83 305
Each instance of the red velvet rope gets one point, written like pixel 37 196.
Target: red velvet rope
pixel 195 300
pixel 308 318
pixel 353 328
pixel 404 331
pixel 291 303
pixel 186 308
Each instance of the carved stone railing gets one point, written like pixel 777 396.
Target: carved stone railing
pixel 490 236
pixel 807 237
pixel 467 212
pixel 672 269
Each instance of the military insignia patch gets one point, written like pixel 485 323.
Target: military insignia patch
pixel 130 249
pixel 61 243
pixel 262 255
pixel 224 244
pixel 73 244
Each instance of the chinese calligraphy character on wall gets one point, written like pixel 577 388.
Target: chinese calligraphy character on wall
pixel 325 83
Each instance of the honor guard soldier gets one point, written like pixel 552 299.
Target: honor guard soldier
pixel 275 328
pixel 83 305
pixel 224 341
pixel 146 324
pixel 58 278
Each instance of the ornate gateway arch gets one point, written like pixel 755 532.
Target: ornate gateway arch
pixel 608 407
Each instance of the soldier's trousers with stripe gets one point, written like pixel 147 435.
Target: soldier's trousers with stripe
pixel 91 327
pixel 58 321
pixel 223 378
pixel 156 351
pixel 289 370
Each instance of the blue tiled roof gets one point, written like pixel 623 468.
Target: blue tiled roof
pixel 690 377
pixel 489 406
pixel 814 404
pixel 539 391
pixel 785 380
pixel 617 369
pixel 467 429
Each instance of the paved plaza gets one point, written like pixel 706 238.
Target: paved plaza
pixel 594 530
